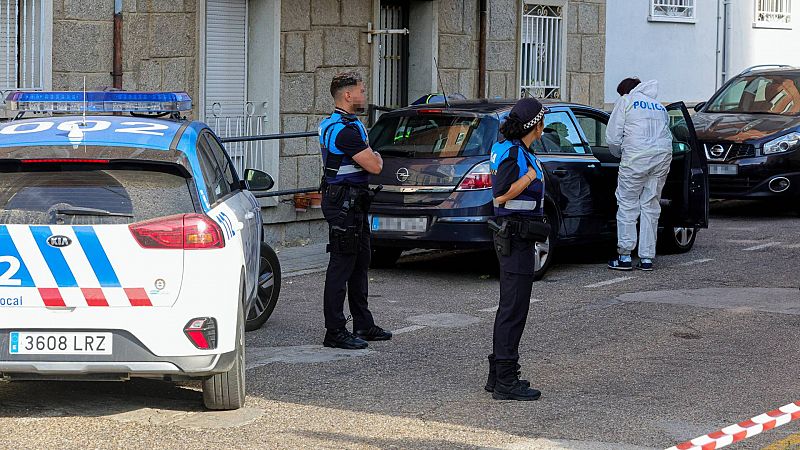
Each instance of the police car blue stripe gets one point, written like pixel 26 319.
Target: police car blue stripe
pixel 54 257
pixel 7 248
pixel 97 256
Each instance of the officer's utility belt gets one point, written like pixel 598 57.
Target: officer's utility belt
pixel 531 229
pixel 347 197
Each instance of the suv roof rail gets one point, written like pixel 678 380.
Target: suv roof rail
pixel 763 66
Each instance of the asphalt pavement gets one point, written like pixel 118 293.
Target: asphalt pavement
pixel 624 360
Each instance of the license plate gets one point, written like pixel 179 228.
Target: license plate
pixel 723 169
pixel 407 224
pixel 23 343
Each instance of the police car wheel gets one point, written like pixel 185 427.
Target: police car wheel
pixel 544 250
pixel 226 391
pixel 384 257
pixel 677 239
pixel 269 287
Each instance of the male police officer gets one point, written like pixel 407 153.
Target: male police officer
pixel 348 161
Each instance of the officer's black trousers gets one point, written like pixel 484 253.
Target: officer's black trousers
pixel 516 283
pixel 347 276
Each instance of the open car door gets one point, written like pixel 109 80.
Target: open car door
pixel 685 195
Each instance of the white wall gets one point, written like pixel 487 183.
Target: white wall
pixel 681 56
pixel 750 46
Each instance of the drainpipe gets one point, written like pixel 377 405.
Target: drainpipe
pixel 116 73
pixel 726 28
pixel 483 14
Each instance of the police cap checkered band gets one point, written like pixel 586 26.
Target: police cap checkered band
pixel 528 112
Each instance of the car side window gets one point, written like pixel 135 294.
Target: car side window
pixel 228 171
pixel 216 184
pixel 560 134
pixel 594 128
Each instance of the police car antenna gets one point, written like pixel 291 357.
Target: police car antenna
pixel 439 75
pixel 83 124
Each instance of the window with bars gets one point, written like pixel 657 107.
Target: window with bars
pixel 672 11
pixel 773 14
pixel 542 51
pixel 21 44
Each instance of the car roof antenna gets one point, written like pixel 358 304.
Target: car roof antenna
pixel 441 85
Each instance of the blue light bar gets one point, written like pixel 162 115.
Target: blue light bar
pixel 99 102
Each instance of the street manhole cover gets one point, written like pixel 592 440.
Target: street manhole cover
pixel 444 320
pixel 682 335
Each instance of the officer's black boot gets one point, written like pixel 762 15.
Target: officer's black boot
pixel 509 386
pixel 491 379
pixel 342 338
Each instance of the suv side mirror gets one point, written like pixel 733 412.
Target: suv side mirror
pixel 256 180
pixel 699 106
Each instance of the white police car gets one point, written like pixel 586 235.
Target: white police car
pixel 128 245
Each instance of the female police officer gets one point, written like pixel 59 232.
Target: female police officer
pixel 518 190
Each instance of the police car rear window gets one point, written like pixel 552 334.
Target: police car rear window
pixel 51 196
pixel 433 136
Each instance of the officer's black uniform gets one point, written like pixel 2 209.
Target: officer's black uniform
pixel 345 204
pixel 518 224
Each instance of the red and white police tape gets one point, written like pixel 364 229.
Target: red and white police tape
pixel 743 430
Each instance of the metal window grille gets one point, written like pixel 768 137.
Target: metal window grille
pixel 393 56
pixel 774 12
pixel 245 155
pixel 672 9
pixel 20 44
pixel 542 28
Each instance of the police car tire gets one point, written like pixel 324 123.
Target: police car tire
pixel 384 257
pixel 552 219
pixel 268 297
pixel 226 391
pixel 668 243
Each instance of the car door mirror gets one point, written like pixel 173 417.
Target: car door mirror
pixel 256 180
pixel 699 106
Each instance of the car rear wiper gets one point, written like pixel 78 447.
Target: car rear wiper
pixel 81 211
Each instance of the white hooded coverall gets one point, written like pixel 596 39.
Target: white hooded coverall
pixel 639 128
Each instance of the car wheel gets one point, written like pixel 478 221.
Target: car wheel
pixel 226 391
pixel 677 239
pixel 544 251
pixel 384 257
pixel 269 287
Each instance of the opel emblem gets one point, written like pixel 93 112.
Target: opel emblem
pixel 717 151
pixel 402 174
pixel 58 241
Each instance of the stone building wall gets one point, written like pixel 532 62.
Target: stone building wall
pixel 159 44
pixel 586 52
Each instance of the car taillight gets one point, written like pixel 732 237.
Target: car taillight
pixel 185 231
pixel 478 178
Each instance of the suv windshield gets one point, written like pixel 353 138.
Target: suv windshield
pixel 433 136
pixel 760 94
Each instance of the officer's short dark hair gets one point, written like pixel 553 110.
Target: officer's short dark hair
pixel 626 86
pixel 344 80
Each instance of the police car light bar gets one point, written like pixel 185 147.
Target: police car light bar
pixel 99 102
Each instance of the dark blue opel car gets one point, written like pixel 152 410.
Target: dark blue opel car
pixel 437 187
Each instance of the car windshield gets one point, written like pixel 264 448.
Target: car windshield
pixel 433 136
pixel 760 94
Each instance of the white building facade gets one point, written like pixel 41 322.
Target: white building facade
pixel 693 46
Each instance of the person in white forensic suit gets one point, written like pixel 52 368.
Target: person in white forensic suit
pixel 638 131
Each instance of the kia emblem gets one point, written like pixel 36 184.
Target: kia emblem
pixel 58 241
pixel 402 174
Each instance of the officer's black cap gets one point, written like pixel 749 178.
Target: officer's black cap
pixel 528 112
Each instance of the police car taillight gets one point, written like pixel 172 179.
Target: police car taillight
pixel 186 232
pixel 202 331
pixel 478 178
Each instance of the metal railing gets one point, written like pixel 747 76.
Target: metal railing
pixel 541 51
pixel 244 140
pixel 672 8
pixel 774 12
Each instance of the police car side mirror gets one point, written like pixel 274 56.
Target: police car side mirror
pixel 699 106
pixel 256 180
